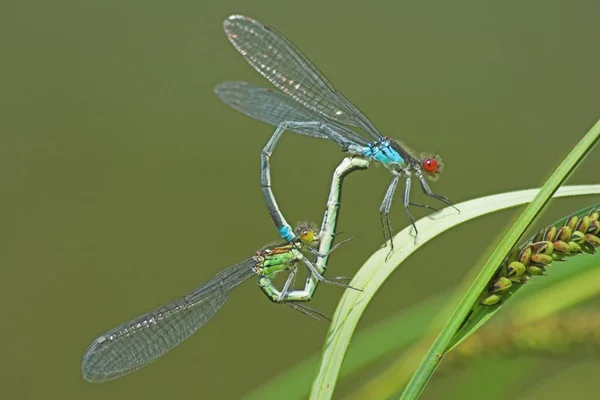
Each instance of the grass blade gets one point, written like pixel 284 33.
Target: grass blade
pixel 574 281
pixel 442 342
pixel 382 338
pixel 376 270
pixel 483 312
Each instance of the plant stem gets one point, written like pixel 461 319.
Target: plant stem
pixel 440 345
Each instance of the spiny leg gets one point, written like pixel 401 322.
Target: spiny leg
pixel 427 190
pixel 382 218
pixel 337 245
pixel 384 211
pixel 331 280
pixel 306 310
pixel 424 206
pixel 289 282
pixel 407 205
pixel 327 254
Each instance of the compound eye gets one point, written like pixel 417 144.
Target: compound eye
pixel 306 235
pixel 430 165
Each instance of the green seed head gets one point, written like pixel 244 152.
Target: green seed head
pixel 550 234
pixel 594 227
pixel 575 248
pixel 515 269
pixel 520 279
pixel 491 300
pixel 564 234
pixel 501 285
pixel 539 236
pixel 525 256
pixel 579 233
pixel 543 248
pixel 541 259
pixel 584 224
pixel 592 239
pixel 562 247
pixel 535 270
pixel 578 237
pixel 571 222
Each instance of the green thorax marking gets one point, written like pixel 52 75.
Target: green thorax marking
pixel 272 260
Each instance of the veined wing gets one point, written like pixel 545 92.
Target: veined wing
pixel 138 342
pixel 278 60
pixel 274 107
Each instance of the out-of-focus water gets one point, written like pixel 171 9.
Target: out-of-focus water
pixel 126 183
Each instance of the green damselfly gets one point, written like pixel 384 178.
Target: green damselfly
pixel 136 343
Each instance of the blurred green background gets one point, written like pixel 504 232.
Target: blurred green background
pixel 126 183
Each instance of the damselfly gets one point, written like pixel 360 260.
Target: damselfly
pixel 309 104
pixel 140 341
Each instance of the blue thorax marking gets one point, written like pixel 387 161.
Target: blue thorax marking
pixel 287 233
pixel 383 153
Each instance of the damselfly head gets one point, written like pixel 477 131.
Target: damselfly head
pixel 308 234
pixel 432 165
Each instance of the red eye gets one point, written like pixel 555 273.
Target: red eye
pixel 430 165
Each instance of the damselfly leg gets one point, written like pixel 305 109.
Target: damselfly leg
pixel 428 192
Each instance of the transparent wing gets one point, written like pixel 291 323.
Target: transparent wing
pixel 278 60
pixel 267 105
pixel 274 107
pixel 138 342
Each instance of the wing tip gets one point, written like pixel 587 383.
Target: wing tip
pixel 230 85
pixel 233 18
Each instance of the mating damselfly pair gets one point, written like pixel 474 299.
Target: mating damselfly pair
pixel 306 103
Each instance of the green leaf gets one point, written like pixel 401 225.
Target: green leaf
pixel 444 339
pixel 376 270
